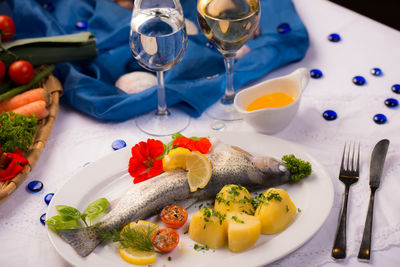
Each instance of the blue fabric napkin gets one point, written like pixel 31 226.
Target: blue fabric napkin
pixel 89 85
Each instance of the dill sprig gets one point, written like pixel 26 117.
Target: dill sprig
pixel 136 238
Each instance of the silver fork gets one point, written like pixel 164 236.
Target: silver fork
pixel 349 174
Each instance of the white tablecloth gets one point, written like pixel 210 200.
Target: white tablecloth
pixel 77 139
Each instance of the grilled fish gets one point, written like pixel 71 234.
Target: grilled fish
pixel 230 165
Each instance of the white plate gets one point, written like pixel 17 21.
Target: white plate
pixel 108 177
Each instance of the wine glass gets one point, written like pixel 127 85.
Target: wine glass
pixel 158 42
pixel 228 24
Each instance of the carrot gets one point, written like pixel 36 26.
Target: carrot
pixel 23 99
pixel 37 108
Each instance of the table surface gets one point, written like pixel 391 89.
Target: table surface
pixel 77 139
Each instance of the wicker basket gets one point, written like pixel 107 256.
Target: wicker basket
pixel 53 86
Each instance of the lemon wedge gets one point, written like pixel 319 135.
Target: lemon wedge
pixel 199 170
pixel 175 159
pixel 137 256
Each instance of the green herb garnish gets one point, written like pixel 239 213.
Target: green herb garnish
pixel 207 213
pixel 236 219
pixel 94 209
pixel 16 131
pixel 135 238
pixel 70 217
pixel 59 222
pixel 298 168
pixel 198 247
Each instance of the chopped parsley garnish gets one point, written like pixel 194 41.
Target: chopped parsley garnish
pixel 236 219
pixel 264 200
pixel 198 247
pixel 207 213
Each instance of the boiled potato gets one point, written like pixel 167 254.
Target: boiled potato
pixel 233 198
pixel 275 211
pixel 243 231
pixel 208 227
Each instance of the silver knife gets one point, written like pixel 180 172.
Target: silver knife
pixel 376 166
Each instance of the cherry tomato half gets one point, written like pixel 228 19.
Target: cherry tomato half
pixel 174 216
pixel 2 69
pixel 21 72
pixel 7 27
pixel 165 240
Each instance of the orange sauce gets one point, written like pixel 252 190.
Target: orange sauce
pixel 273 100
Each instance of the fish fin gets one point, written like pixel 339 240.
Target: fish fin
pixel 242 151
pixel 83 240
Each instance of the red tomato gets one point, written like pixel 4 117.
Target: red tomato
pixel 7 27
pixel 2 69
pixel 174 216
pixel 21 72
pixel 165 240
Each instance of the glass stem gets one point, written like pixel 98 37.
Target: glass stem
pixel 229 90
pixel 162 105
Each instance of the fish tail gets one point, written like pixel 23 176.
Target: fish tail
pixel 83 240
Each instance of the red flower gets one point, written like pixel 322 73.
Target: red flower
pixel 203 145
pixel 144 162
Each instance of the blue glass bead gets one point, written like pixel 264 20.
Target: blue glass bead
pixel 211 46
pixel 396 88
pixel 334 37
pixel 316 73
pixel 49 6
pixel 283 28
pixel 34 186
pixel 48 198
pixel 118 144
pixel 380 118
pixel 376 72
pixel 391 102
pixel 43 218
pixel 359 80
pixel 329 115
pixel 81 25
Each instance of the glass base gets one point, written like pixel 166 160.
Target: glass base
pixel 161 125
pixel 223 112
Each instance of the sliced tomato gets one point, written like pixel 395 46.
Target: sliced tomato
pixel 165 240
pixel 174 216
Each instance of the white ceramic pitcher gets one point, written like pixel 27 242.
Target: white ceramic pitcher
pixel 272 120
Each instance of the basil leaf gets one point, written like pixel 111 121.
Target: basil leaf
pixel 68 211
pixel 59 223
pixel 195 138
pixel 176 135
pixel 95 208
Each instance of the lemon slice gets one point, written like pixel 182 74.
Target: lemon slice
pixel 199 170
pixel 137 256
pixel 175 159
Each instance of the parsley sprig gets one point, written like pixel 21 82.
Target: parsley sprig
pixel 16 131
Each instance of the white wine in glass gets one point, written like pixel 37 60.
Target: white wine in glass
pixel 158 42
pixel 228 24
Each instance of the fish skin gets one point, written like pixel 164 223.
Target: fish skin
pixel 230 166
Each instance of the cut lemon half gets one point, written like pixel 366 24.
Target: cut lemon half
pixel 139 257
pixel 176 159
pixel 199 170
